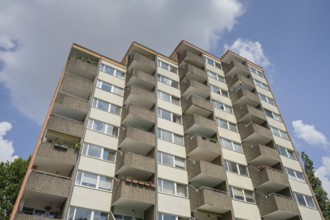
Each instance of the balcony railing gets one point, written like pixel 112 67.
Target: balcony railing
pixel 195 124
pixel 239 81
pixel 193 72
pixel 77 86
pixel 48 183
pixel 235 67
pixel 261 155
pixel 136 140
pixel 247 113
pixel 85 68
pixel 197 105
pixel 138 117
pixel 141 62
pixel 65 125
pixel 135 165
pixel 275 206
pixel 23 216
pixel 192 87
pixel 190 57
pixel 202 148
pixel 139 97
pixel 140 79
pixel 244 97
pixel 254 133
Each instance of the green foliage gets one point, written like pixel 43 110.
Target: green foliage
pixel 11 177
pixel 320 194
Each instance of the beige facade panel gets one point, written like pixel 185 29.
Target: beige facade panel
pixel 290 163
pixel 174 205
pixel 169 106
pixel 111 79
pixel 234 156
pixel 239 181
pixel 168 89
pixel 308 213
pixel 108 97
pixel 283 142
pixel 168 74
pixel 171 148
pixel 173 174
pixel 251 211
pixel 96 166
pixel 101 140
pixel 175 127
pixel 105 117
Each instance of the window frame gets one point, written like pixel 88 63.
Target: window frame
pixel 160 160
pixel 232 143
pixel 232 194
pixel 219 91
pixel 238 166
pixel 256 72
pixel 91 123
pixel 296 178
pixel 261 85
pixel 103 68
pixel 267 99
pixel 216 103
pixel 161 186
pixel 86 147
pixel 172 83
pixel 288 152
pixel 279 133
pixel 96 101
pixel 113 88
pixel 173 135
pixel 171 97
pixel 170 67
pixel 80 175
pixel 305 200
pixel 172 116
pixel 229 125
pixel 91 216
pixel 213 63
pixel 272 115
pixel 216 76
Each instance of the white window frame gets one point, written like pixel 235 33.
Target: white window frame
pixel 287 151
pixel 97 181
pixel 160 187
pixel 160 132
pixel 237 167
pixel 282 134
pixel 99 84
pixel 110 105
pixel 274 116
pixel 86 147
pixel 160 111
pixel 170 67
pixel 261 84
pixel 295 175
pixel 244 196
pixel 160 155
pixel 178 102
pixel 305 196
pixel 91 211
pixel 116 73
pixel 266 99
pixel 213 63
pixel 161 78
pixel 229 125
pixel 220 91
pixel 226 108
pixel 216 76
pixel 232 143
pixel 90 126
pixel 256 72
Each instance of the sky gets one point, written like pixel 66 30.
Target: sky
pixel 290 39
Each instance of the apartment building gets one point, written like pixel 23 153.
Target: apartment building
pixel 189 136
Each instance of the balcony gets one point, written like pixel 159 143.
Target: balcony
pixel 135 165
pixel 136 140
pixel 139 97
pixel 192 72
pixel 239 81
pixel 76 86
pixel 133 196
pixel 141 62
pixel 254 134
pixel 70 106
pixel 51 153
pixel 47 183
pixel 197 105
pixel 190 57
pixel 22 216
pixel 268 180
pixel 140 79
pixel 246 113
pixel 192 87
pixel 202 173
pixel 65 125
pixel 85 68
pixel 261 155
pixel 235 67
pixel 200 148
pixel 209 200
pixel 138 117
pixel 276 206
pixel 244 97
pixel 195 124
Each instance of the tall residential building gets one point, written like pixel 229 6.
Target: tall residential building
pixel 189 136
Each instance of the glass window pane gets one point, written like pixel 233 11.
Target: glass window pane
pixel 310 202
pixel 105 183
pixel 232 127
pixel 78 178
pixel 109 155
pixel 102 105
pixel 180 162
pixel 94 151
pixel 292 155
pixel 100 215
pixel 82 214
pixel 70 217
pixel 89 179
pixel 167 159
pixel 243 170
pixel 168 187
pixel 166 136
pixel 237 147
pixel 300 176
pixel 238 193
pixel 178 140
pixel 300 199
pixel 106 87
pixel 115 109
pixel 290 173
pixel 249 196
pixel 99 126
pixel 181 190
pixel 226 143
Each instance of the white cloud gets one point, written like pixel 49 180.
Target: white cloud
pixel 252 51
pixel 45 30
pixel 6 146
pixel 323 173
pixel 309 134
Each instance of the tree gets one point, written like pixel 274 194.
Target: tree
pixel 11 178
pixel 316 184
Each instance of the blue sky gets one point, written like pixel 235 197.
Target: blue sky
pixel 289 38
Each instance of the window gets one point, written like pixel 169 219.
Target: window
pixel 168 98
pixel 170 137
pixel 255 71
pixel 286 152
pixel 109 70
pixel 272 115
pixel 109 88
pixel 267 99
pixel 92 180
pixel 236 168
pixel 279 133
pixel 169 187
pixel 261 85
pixel 226 124
pixel 167 66
pixel 216 76
pixel 171 160
pixel 123 217
pixel 102 127
pixel 162 216
pixel 105 106
pixel 169 116
pixel 305 200
pixel 98 152
pixel 242 194
pixel 212 63
pixel 223 107
pixel 231 145
pixel 76 213
pixel 294 174
pixel 219 91
pixel 167 81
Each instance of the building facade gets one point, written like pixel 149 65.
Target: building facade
pixel 189 136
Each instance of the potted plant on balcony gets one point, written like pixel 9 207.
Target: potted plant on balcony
pixel 77 146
